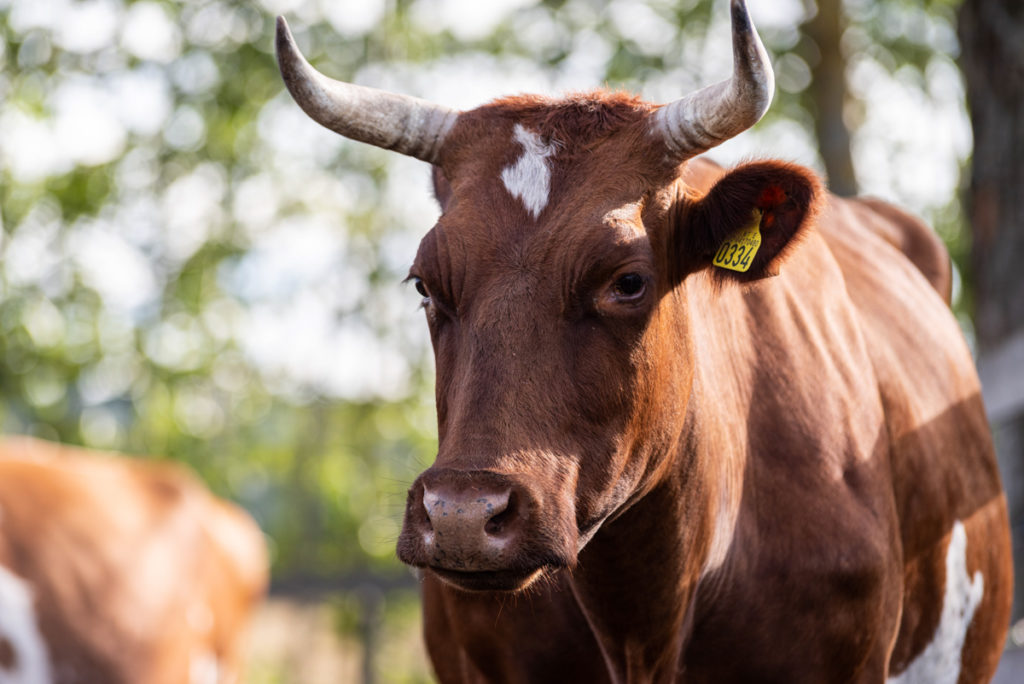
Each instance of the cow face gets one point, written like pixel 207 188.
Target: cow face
pixel 553 289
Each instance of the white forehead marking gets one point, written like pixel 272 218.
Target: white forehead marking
pixel 939 663
pixel 529 179
pixel 18 626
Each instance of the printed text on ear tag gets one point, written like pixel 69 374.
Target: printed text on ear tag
pixel 737 252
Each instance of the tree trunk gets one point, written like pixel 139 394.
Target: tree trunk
pixel 828 93
pixel 991 36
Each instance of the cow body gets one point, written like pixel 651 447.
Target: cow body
pixel 694 425
pixel 837 418
pixel 119 571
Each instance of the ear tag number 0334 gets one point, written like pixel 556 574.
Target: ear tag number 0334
pixel 737 252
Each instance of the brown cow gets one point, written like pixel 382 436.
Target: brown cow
pixel 656 462
pixel 119 571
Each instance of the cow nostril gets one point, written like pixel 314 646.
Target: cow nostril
pixel 435 507
pixel 468 513
pixel 496 524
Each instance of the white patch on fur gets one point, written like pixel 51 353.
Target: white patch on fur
pixel 722 532
pixel 529 179
pixel 939 663
pixel 18 627
pixel 725 509
pixel 204 668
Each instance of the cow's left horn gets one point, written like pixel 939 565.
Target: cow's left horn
pixel 395 122
pixel 714 114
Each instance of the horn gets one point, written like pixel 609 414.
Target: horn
pixel 712 115
pixel 395 122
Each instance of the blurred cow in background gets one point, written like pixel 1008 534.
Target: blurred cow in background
pixel 116 570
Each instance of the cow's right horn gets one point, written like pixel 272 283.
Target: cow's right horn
pixel 712 115
pixel 395 122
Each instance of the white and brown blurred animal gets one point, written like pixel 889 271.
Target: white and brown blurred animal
pixel 119 570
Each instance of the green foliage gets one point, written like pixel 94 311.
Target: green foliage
pixel 168 376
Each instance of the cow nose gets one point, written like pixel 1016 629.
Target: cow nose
pixel 469 518
pixel 466 521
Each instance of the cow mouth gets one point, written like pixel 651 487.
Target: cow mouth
pixel 489 580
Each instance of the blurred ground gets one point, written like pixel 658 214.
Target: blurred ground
pixel 296 642
pixel 1011 669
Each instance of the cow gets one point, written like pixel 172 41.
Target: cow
pixel 119 570
pixel 694 424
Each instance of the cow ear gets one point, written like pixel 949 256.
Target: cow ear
pixel 749 221
pixel 442 188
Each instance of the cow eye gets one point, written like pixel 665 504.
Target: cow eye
pixel 630 286
pixel 421 289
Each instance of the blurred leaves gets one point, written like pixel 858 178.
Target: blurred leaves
pixel 121 326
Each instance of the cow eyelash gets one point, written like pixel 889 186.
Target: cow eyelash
pixel 421 289
pixel 436 307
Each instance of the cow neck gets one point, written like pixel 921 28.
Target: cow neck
pixel 636 579
pixel 635 582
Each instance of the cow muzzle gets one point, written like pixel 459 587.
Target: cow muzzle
pixel 477 530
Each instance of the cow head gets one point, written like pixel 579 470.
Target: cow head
pixel 554 286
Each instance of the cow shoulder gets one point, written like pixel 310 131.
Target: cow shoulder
pixel 941 455
pixel 912 236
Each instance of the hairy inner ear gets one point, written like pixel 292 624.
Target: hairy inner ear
pixel 750 219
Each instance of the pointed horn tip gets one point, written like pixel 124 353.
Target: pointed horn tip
pixel 283 42
pixel 741 17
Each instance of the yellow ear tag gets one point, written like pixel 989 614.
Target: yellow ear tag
pixel 737 252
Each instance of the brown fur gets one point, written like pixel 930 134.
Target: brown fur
pixel 713 482
pixel 135 568
pixel 581 118
pixel 8 659
pixel 913 237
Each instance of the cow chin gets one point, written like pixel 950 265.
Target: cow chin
pixel 474 572
pixel 508 581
